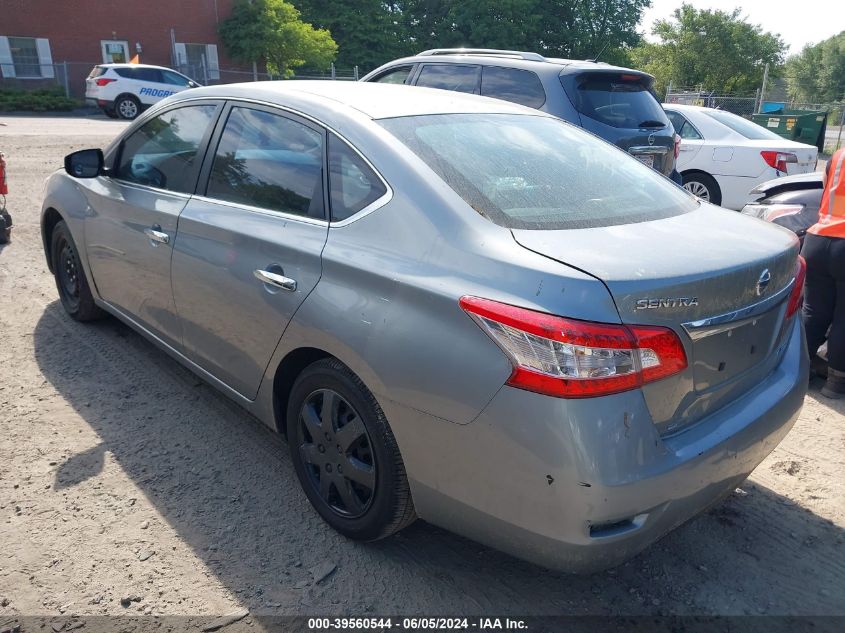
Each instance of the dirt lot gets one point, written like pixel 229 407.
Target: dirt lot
pixel 124 476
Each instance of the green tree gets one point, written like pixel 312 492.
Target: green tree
pixel 368 32
pixel 817 73
pixel 271 30
pixel 719 50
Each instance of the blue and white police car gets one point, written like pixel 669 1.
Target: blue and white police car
pixel 125 90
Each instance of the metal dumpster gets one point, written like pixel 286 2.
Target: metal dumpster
pixel 804 126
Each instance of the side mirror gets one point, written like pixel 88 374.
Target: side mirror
pixel 86 163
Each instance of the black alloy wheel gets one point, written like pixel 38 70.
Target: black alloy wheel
pixel 337 452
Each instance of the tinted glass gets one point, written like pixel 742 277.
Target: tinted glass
pixel 683 127
pixel 746 128
pixel 620 101
pixel 395 76
pixel 512 84
pixel 148 74
pixel 174 79
pixel 455 77
pixel 163 152
pixel 269 161
pixel 127 73
pixel 533 172
pixel 353 185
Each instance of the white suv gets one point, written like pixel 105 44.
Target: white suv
pixel 126 90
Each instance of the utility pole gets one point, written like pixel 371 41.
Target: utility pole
pixel 763 87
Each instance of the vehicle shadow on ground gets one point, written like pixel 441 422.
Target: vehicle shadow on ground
pixel 225 483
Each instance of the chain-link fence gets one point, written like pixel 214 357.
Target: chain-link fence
pixel 69 77
pixel 741 104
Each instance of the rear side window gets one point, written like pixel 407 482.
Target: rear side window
pixel 513 84
pixel 126 73
pixel 162 153
pixel 537 172
pixel 394 76
pixel 148 74
pixel 683 127
pixel 270 161
pixel 456 77
pixel 618 100
pixel 353 185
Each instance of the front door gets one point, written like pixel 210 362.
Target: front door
pixel 114 51
pixel 131 226
pixel 248 251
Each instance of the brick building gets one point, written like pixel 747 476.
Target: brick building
pixel 50 42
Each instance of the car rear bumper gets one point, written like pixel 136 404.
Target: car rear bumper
pixel 582 485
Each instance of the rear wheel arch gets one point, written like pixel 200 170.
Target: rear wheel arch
pixel 291 366
pixel 707 179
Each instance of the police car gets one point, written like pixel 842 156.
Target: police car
pixel 125 90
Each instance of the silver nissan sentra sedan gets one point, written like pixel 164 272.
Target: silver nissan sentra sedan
pixel 455 308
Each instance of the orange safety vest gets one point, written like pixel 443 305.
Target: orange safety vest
pixel 832 212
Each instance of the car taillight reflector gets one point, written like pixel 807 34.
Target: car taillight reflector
pixel 103 81
pixel 778 160
pixel 568 358
pixel 797 289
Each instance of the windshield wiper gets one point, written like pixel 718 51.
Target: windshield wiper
pixel 652 123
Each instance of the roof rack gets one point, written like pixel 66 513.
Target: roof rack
pixel 495 52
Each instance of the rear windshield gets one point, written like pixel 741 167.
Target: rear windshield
pixel 96 71
pixel 618 100
pixel 533 172
pixel 741 126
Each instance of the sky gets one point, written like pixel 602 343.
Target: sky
pixel 797 21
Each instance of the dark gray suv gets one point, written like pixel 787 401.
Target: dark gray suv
pixel 617 104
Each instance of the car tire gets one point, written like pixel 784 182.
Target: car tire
pixel 704 186
pixel 74 291
pixel 110 113
pixel 127 107
pixel 375 501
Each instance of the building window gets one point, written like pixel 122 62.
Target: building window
pixel 25 56
pixel 198 61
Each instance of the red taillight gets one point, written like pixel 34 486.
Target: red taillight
pixel 778 160
pixel 798 289
pixel 568 358
pixel 104 81
pixel 677 145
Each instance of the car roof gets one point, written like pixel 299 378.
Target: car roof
pixel 375 100
pixel 514 59
pixel 128 65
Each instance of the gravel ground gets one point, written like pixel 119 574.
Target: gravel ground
pixel 128 486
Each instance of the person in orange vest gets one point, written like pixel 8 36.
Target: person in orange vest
pixel 824 291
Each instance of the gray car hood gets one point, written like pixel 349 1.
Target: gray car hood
pixel 710 254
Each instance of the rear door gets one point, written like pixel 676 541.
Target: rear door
pixel 248 249
pixel 620 107
pixel 691 139
pixel 131 226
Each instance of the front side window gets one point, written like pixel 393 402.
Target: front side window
pixel 162 153
pixel 619 100
pixel 457 77
pixel 25 56
pixel 683 127
pixel 353 185
pixel 174 79
pixel 513 84
pixel 394 76
pixel 536 172
pixel 270 161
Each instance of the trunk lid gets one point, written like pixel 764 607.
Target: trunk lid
pixel 699 274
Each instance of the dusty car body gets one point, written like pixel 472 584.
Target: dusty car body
pixel 563 361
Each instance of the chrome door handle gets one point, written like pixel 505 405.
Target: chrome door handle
pixel 275 279
pixel 157 236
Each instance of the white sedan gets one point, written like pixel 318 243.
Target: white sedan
pixel 723 156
